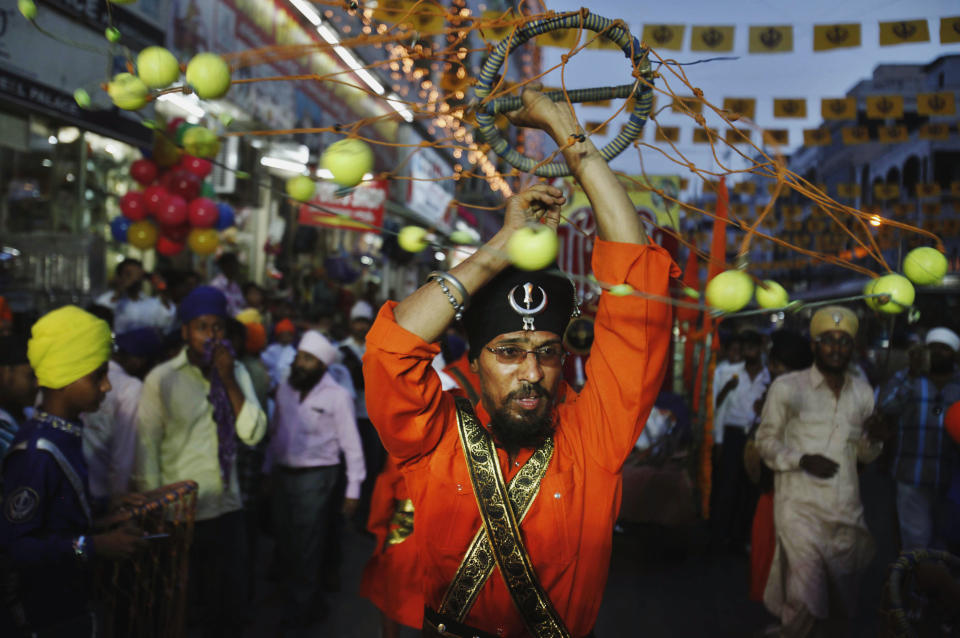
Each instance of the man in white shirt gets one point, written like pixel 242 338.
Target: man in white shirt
pixel 314 421
pixel 192 409
pixel 110 433
pixel 814 429
pixel 132 308
pixel 734 495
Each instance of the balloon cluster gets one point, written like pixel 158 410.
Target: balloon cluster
pixel 176 207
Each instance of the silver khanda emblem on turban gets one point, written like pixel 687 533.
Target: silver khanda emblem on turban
pixel 837 319
pixel 525 311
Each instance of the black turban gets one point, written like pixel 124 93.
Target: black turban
pixel 548 294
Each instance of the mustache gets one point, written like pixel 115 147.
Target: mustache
pixel 528 391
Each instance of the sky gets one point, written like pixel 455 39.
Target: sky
pixel 801 73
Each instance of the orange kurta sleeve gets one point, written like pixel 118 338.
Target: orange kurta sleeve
pixel 629 354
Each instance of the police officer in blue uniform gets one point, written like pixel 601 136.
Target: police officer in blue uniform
pixel 46 525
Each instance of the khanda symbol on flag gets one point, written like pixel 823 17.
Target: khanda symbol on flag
pixel 837 34
pixel 771 38
pixel 904 30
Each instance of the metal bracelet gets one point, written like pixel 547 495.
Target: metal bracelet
pixel 457 307
pixel 454 282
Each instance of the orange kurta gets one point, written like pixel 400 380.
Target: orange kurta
pixel 568 529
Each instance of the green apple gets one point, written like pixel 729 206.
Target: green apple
pixel 925 266
pixel 82 98
pixel 900 290
pixel 209 75
pixel 533 247
pixel 461 237
pixel 27 9
pixel 201 142
pixel 412 239
pixel 128 92
pixel 621 290
pixel 730 290
pixel 872 302
pixel 349 160
pixel 301 188
pixel 157 67
pixel 112 34
pixel 773 296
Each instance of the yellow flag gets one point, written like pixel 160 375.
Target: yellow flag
pixel 685 104
pixel 774 39
pixel 737 136
pixel 391 11
pixel 700 136
pixel 835 36
pixel 663 36
pixel 848 191
pixel 776 136
pixel 843 108
pixel 816 137
pixel 892 134
pixel 711 38
pixel 562 38
pixel 886 191
pixel 742 106
pixel 667 134
pixel 881 107
pixel 597 103
pixel 745 188
pixel 789 107
pixel 496 25
pixel 930 209
pixel 937 131
pixel 928 190
pixel 903 32
pixel 595 128
pixel 740 210
pixel 941 103
pixel 949 30
pixel 428 18
pixel 855 135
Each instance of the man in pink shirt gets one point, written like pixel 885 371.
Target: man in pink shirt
pixel 314 421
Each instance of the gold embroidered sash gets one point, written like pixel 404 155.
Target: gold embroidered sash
pixel 501 509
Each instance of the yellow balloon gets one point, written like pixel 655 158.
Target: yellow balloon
pixel 142 234
pixel 203 241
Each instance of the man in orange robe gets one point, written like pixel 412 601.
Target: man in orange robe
pixel 568 527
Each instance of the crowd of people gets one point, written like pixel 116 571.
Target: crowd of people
pixel 491 484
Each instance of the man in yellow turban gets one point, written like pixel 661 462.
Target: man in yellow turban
pixel 45 527
pixel 815 428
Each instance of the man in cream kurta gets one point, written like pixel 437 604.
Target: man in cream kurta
pixel 812 435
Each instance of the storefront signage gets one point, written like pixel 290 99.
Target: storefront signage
pixel 427 193
pixel 361 209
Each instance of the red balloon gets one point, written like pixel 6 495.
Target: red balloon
pixel 183 183
pixel 154 196
pixel 176 233
pixel 133 206
pixel 196 165
pixel 173 124
pixel 168 247
pixel 173 211
pixel 951 422
pixel 203 213
pixel 143 171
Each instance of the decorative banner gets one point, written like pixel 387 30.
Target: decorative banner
pixel 816 137
pixel 886 192
pixel 745 188
pixel 930 209
pixel 496 25
pixel 427 191
pixel 706 136
pixel 789 107
pixel 712 38
pixel 855 135
pixel 742 106
pixel 773 136
pixel 428 18
pixel 835 36
pixel 903 32
pixel 664 36
pixel 390 10
pixel 928 190
pixel 362 207
pixel 936 131
pixel 941 103
pixel 881 107
pixel 949 30
pixel 771 188
pixel 740 210
pixel 562 38
pixel 603 103
pixel 893 134
pixel 843 108
pixel 687 104
pixel 737 136
pixel 848 191
pixel 775 39
pixel 667 134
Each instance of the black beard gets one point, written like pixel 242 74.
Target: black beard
pixel 303 380
pixel 514 433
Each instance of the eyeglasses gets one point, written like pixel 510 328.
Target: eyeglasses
pixel 833 342
pixel 550 356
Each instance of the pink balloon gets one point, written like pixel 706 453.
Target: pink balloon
pixel 168 247
pixel 203 213
pixel 143 171
pixel 196 165
pixel 154 196
pixel 173 211
pixel 133 206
